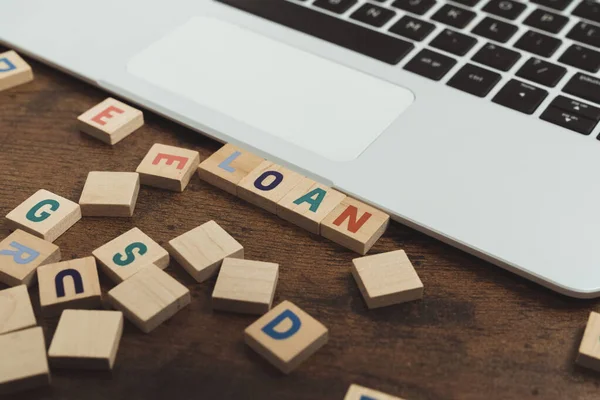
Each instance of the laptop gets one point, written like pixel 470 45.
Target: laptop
pixel 474 121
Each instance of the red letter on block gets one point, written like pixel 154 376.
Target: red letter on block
pixel 181 161
pixel 353 225
pixel 106 114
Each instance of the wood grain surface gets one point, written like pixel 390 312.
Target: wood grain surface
pixel 478 333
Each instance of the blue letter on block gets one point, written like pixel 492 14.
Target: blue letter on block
pixel 8 65
pixel 23 254
pixel 269 328
pixel 31 214
pixel 308 198
pixel 258 183
pixel 60 284
pixel 364 397
pixel 226 163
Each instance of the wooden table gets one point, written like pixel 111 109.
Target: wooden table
pixel 479 332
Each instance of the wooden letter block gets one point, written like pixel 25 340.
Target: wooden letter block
pixel 14 71
pixel 308 204
pixel 266 185
pixel 24 364
pixel 45 215
pixel 356 392
pixel 227 167
pixel 21 254
pixel 355 225
pixel 168 167
pixel 86 339
pixel 589 350
pixel 69 284
pixel 149 298
pixel 125 255
pixel 286 336
pixel 16 311
pixel 245 286
pixel 202 250
pixel 110 194
pixel 110 121
pixel 386 279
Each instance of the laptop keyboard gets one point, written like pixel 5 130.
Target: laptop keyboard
pixel 529 56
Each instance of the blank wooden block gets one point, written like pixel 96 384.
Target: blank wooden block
pixel 125 255
pixel 16 311
pixel 109 194
pixel 245 286
pixel 308 204
pixel 227 167
pixel 355 225
pixel 386 279
pixel 24 364
pixel 168 167
pixel 356 392
pixel 286 336
pixel 45 215
pixel 202 250
pixel 149 298
pixel 589 349
pixel 21 254
pixel 86 339
pixel 110 121
pixel 69 284
pixel 266 185
pixel 14 70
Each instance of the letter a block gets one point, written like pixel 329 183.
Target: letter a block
pixel 356 392
pixel 69 284
pixel 21 254
pixel 15 309
pixel 355 225
pixel 168 167
pixel 45 215
pixel 109 194
pixel 286 336
pixel 589 349
pixel 14 70
pixel 125 255
pixel 110 121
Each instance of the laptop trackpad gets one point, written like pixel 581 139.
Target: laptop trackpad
pixel 312 102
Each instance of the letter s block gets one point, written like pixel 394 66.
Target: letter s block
pixel 168 167
pixel 14 70
pixel 286 336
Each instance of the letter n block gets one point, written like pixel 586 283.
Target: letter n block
pixel 69 284
pixel 357 392
pixel 14 70
pixel 16 312
pixel 110 121
pixel 168 167
pixel 286 336
pixel 589 349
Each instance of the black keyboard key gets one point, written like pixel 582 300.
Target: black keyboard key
pixel 538 43
pixel 586 33
pixel 496 57
pixel 412 28
pixel 468 3
pixel 474 80
pixel 454 16
pixel 568 120
pixel 556 4
pixel 546 21
pixel 542 72
pixel 373 15
pixel 336 6
pixel 453 42
pixel 419 7
pixel 520 96
pixel 577 107
pixel 495 30
pixel 581 57
pixel 508 9
pixel 588 9
pixel 584 86
pixel 430 64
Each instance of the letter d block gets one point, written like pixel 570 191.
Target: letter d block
pixel 14 70
pixel 110 121
pixel 286 336
pixel 168 167
pixel 45 215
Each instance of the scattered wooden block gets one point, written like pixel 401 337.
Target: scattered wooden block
pixel 356 392
pixel 149 298
pixel 16 311
pixel 286 336
pixel 266 185
pixel 21 254
pixel 86 339
pixel 110 121
pixel 245 286
pixel 14 71
pixel 125 255
pixel 589 349
pixel 45 215
pixel 69 284
pixel 355 225
pixel 386 279
pixel 109 194
pixel 308 204
pixel 24 364
pixel 168 167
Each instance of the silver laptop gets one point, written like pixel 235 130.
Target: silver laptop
pixel 474 121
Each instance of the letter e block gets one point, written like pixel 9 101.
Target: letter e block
pixel 110 121
pixel 14 71
pixel 168 167
pixel 16 311
pixel 109 194
pixel 356 392
pixel 589 349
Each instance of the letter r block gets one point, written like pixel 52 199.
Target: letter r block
pixel 14 70
pixel 286 336
pixel 110 121
pixel 168 167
